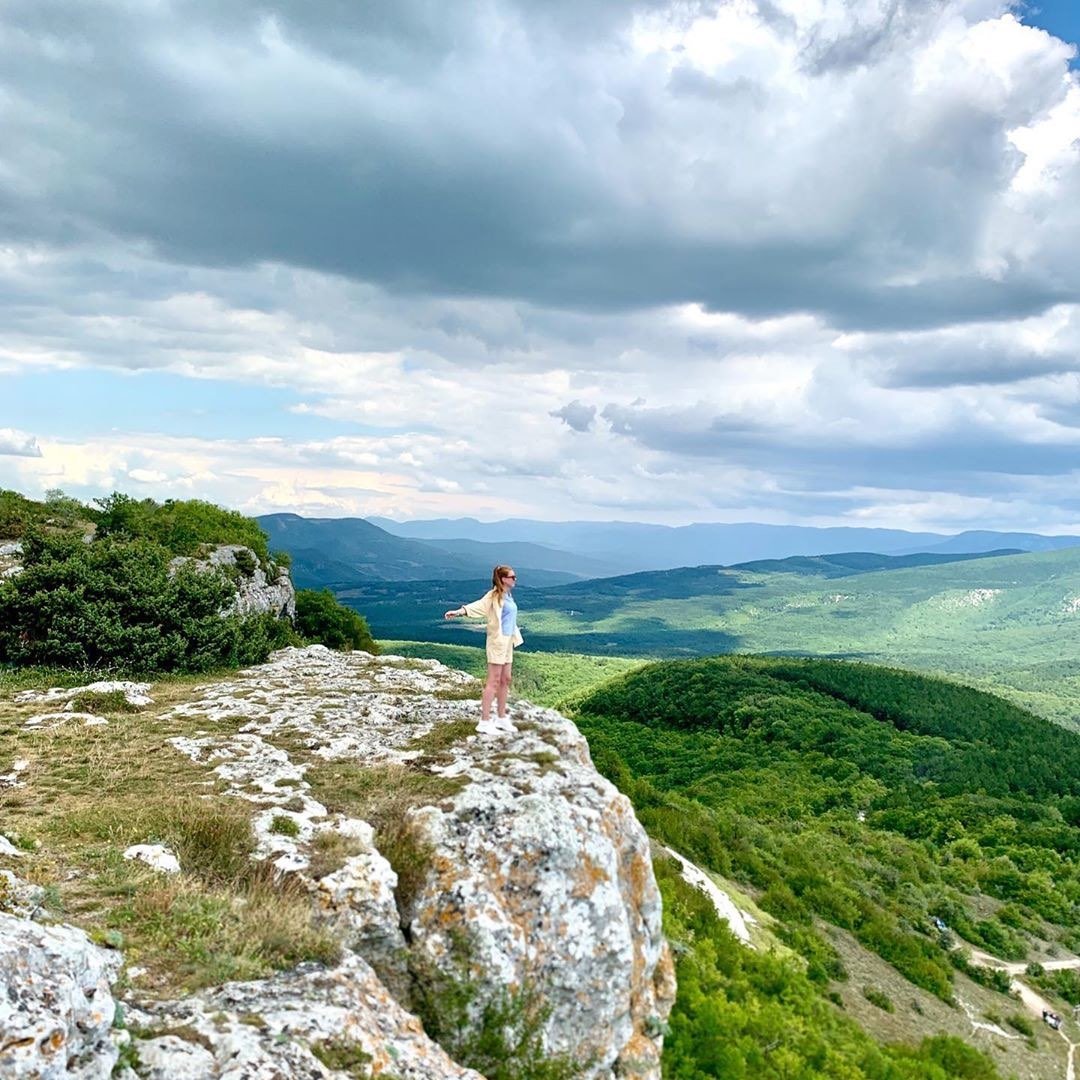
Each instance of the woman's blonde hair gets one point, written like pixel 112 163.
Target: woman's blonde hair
pixel 496 579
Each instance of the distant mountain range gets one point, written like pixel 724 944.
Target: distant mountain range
pixel 343 551
pixel 628 547
pixel 1005 622
pixel 339 552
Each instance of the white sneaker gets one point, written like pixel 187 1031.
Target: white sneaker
pixel 488 727
pixel 504 723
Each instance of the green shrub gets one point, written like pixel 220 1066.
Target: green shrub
pixel 284 826
pixel 500 1036
pixel 181 527
pixel 245 562
pixel 114 604
pixel 878 997
pixel 341 1055
pixel 62 511
pixel 321 619
pixel 1021 1023
pixel 17 514
pixel 99 702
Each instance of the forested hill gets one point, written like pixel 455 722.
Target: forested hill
pixel 858 804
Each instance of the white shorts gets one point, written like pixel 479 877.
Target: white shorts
pixel 500 650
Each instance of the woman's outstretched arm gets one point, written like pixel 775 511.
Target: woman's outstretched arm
pixel 478 609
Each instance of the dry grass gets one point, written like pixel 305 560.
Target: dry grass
pixel 189 935
pixel 103 703
pixel 410 859
pixel 379 794
pixel 383 795
pixel 442 736
pixel 469 692
pixel 90 792
pixel 329 850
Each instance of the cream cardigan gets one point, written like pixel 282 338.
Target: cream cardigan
pixel 500 646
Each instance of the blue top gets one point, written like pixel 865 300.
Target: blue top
pixel 509 615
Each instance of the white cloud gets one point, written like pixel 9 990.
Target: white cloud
pixel 18 443
pixel 148 476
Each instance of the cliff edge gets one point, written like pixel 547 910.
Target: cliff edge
pixel 476 888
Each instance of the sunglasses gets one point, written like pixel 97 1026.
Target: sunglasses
pixel 512 577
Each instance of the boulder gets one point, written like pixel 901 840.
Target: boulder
pixel 299 1023
pixel 10 559
pixel 540 881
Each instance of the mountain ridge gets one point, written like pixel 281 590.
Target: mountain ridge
pixel 640 546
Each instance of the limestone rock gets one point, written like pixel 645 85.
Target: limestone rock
pixel 56 1008
pixel 18 897
pixel 724 906
pixel 530 875
pixel 538 862
pixel 8 848
pixel 56 719
pixel 545 871
pixel 13 778
pixel 136 694
pixel 266 1030
pixel 259 591
pixel 156 856
pixel 10 556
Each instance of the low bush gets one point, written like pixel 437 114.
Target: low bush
pixel 1021 1023
pixel 108 701
pixel 500 1034
pixel 878 998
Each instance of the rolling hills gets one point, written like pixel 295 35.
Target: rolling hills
pixel 342 551
pixel 1005 622
pixel 857 805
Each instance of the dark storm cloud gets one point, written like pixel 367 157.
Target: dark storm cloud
pixel 506 150
pixel 966 456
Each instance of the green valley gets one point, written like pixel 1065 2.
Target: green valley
pixel 1009 623
pixel 884 819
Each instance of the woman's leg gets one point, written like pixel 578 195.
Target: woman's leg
pixel 491 689
pixel 504 687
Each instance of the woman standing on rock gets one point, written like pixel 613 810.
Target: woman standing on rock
pixel 498 608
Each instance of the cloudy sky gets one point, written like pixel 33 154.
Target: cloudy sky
pixel 808 261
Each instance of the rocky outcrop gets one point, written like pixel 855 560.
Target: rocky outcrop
pixel 290 1026
pixel 528 877
pixel 260 590
pixel 56 1017
pixel 540 877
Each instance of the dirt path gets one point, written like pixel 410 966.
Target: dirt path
pixel 1035 1003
